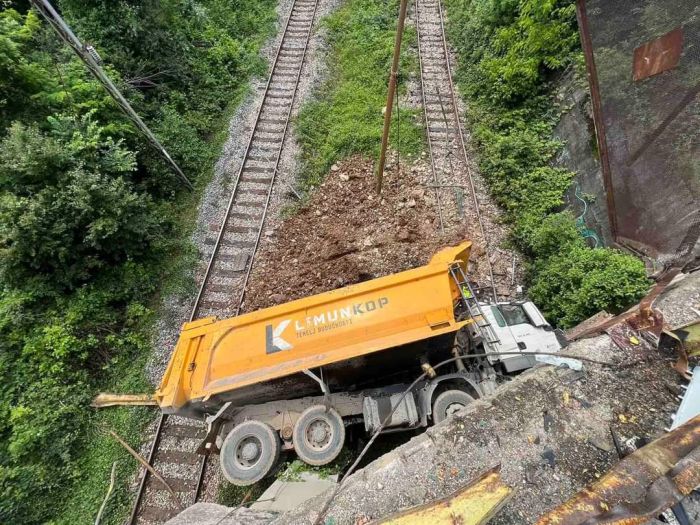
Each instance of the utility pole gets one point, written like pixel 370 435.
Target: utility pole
pixel 390 95
pixel 92 60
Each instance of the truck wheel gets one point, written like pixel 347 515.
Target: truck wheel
pixel 249 452
pixel 318 435
pixel 448 403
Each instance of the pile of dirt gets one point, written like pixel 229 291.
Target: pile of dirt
pixel 346 234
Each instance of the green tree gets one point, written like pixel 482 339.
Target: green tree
pixel 68 208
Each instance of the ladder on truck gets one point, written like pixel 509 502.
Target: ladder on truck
pixel 481 325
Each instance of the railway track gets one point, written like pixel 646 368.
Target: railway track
pixel 231 252
pixel 445 136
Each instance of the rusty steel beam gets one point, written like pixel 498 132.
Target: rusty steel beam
pixel 641 486
pixel 643 316
pixel 665 123
pixel 592 73
pixel 474 504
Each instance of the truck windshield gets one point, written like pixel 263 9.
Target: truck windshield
pixel 509 315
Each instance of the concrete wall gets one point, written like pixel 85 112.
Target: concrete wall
pixel 580 155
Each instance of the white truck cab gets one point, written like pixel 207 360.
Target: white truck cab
pixel 519 327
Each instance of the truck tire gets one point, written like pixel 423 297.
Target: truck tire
pixel 319 435
pixel 449 402
pixel 249 452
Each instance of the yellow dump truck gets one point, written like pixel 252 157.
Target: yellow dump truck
pixel 294 376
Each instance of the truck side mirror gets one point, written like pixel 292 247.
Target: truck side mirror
pixel 536 318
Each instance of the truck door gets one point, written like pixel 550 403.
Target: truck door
pixel 522 336
pixel 541 337
pixel 507 342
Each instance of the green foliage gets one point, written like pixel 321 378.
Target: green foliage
pixel 346 116
pixel 92 225
pixel 20 77
pixel 292 470
pixel 580 281
pixel 69 211
pixel 507 53
pixel 508 48
pixel 572 281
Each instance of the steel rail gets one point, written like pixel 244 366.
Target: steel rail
pixel 279 155
pixel 458 125
pixel 234 192
pixel 427 123
pixel 244 284
pixel 142 481
pixel 208 272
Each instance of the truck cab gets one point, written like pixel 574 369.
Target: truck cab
pixel 519 327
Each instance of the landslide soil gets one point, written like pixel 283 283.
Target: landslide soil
pixel 347 234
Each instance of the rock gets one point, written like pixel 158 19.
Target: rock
pixel 411 203
pixel 600 444
pixel 549 456
pixel 344 177
pixel 269 233
pixel 335 167
pixel 367 242
pixel 213 514
pixel 477 250
pixel 403 235
pixel 318 213
pixel 277 298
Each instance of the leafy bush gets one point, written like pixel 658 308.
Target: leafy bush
pixel 507 53
pixel 580 281
pixel 84 216
pixel 346 116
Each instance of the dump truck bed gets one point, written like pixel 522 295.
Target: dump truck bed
pixel 215 357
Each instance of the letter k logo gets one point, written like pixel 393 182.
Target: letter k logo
pixel 273 338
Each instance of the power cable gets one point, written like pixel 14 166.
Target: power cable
pixel 92 60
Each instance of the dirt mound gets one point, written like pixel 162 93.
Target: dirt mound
pixel 346 234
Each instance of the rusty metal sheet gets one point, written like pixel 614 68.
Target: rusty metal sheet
pixel 474 504
pixel 641 486
pixel 686 341
pixel 642 317
pixel 658 55
pixel 645 88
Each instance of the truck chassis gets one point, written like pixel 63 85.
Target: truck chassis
pixel 249 439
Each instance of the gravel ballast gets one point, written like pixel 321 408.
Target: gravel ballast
pixel 175 308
